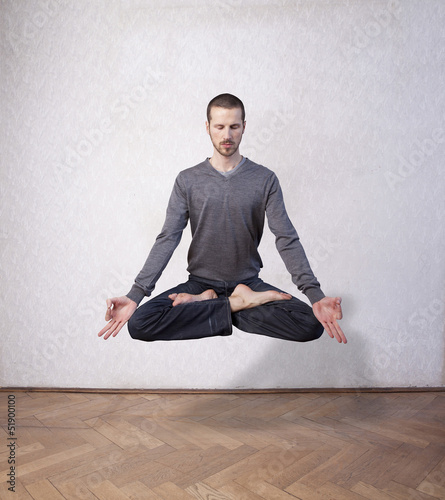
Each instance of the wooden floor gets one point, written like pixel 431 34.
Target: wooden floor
pixel 378 446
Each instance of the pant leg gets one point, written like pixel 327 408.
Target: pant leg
pixel 157 319
pixel 284 319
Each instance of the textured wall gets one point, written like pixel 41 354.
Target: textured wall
pixel 103 103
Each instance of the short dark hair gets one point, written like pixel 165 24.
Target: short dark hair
pixel 227 101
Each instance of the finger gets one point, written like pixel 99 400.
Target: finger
pixel 101 333
pixel 114 330
pixel 332 331
pixel 104 329
pixel 108 314
pixel 327 329
pixel 338 333
pixel 108 329
pixel 118 329
pixel 107 335
pixel 341 334
pixel 338 310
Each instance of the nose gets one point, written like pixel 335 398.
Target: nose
pixel 228 134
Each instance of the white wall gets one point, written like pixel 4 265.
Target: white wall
pixel 103 103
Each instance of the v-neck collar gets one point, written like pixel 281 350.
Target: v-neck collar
pixel 230 173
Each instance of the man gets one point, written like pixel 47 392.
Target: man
pixel 226 199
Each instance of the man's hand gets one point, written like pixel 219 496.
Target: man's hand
pixel 328 311
pixel 119 311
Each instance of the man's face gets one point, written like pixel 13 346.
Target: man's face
pixel 226 129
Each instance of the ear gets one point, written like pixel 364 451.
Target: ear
pixel 244 126
pixel 207 127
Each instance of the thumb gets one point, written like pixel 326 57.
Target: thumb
pixel 338 307
pixel 108 314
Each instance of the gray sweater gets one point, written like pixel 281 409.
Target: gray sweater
pixel 226 216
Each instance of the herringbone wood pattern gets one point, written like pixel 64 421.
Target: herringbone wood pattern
pixel 274 446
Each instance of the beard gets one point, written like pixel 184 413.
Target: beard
pixel 224 150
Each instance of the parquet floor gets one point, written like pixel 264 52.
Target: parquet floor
pixel 273 446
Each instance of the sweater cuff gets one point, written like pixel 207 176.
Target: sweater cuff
pixel 314 294
pixel 136 294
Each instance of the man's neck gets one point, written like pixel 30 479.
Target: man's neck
pixel 225 163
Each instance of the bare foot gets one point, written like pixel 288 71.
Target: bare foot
pixel 183 298
pixel 244 297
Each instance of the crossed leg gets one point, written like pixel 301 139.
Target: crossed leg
pixel 194 310
pixel 242 297
pixel 184 298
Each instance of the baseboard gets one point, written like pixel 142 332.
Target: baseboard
pixel 347 390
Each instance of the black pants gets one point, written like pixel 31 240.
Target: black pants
pixel 157 319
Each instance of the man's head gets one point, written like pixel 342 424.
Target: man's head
pixel 227 101
pixel 225 124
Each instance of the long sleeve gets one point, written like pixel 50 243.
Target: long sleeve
pixel 289 246
pixel 165 244
pixel 227 217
